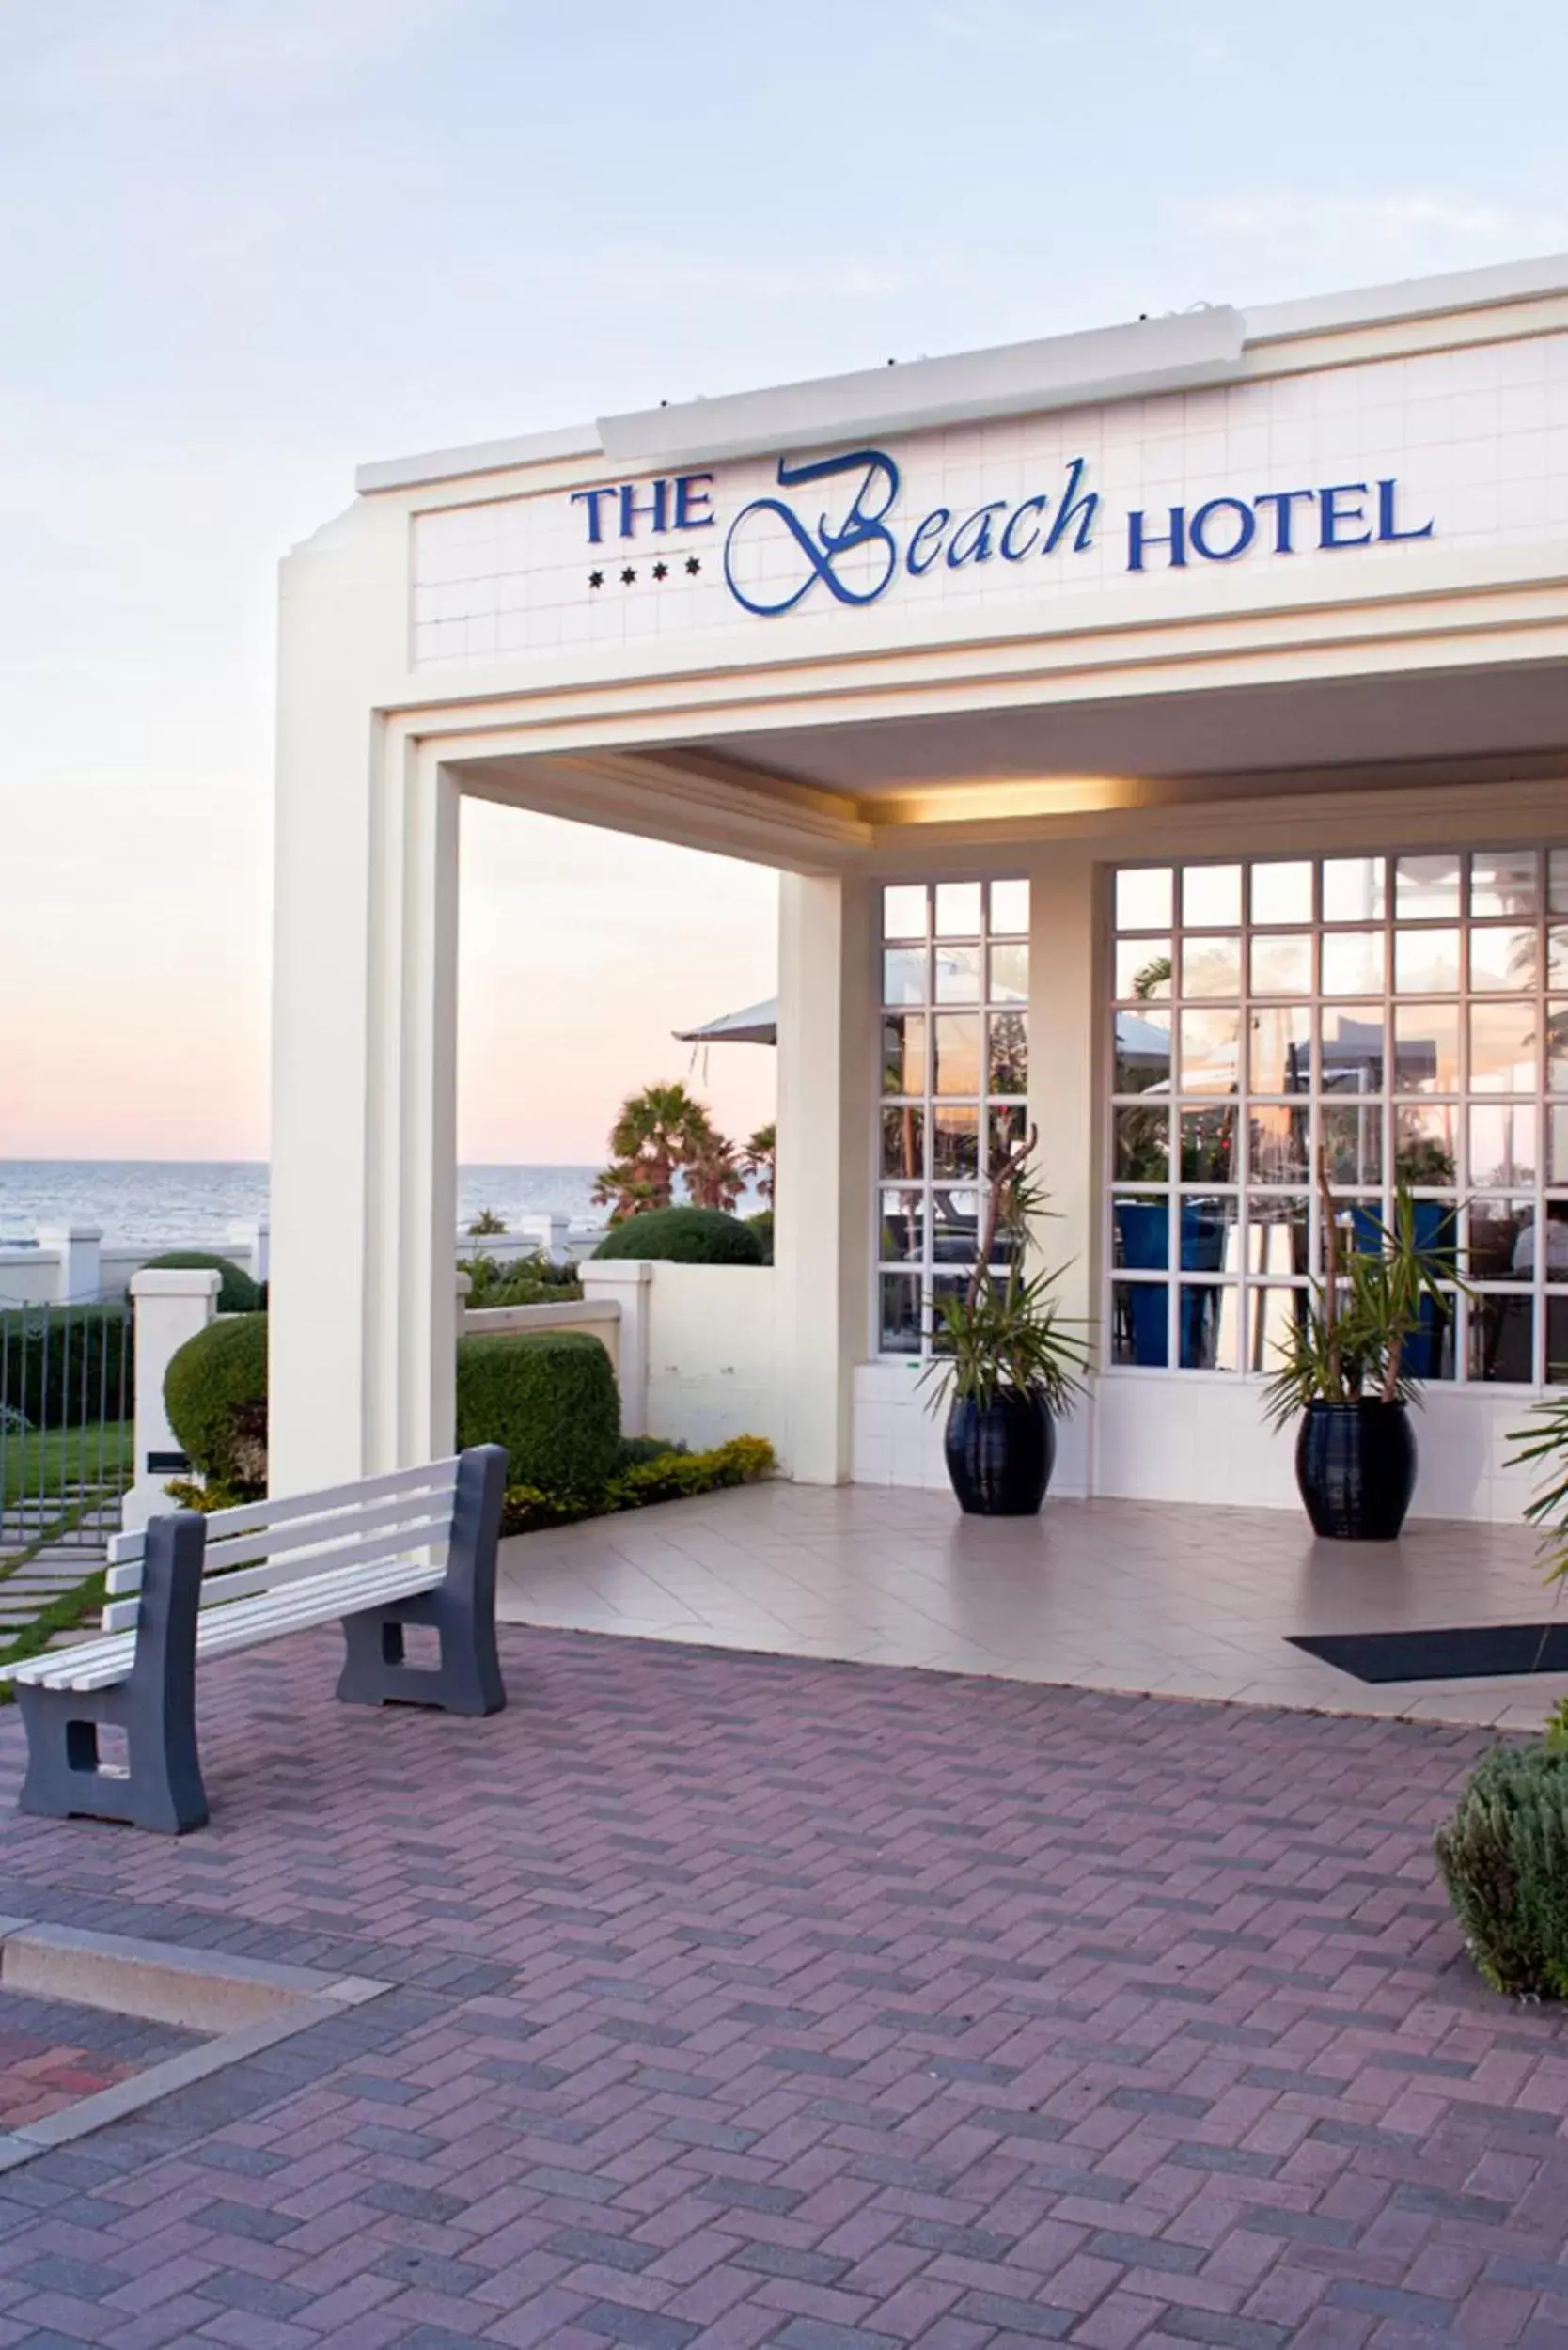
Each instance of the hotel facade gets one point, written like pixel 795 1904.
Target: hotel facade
pixel 1161 735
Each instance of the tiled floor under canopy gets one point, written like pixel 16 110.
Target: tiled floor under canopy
pixel 1128 1595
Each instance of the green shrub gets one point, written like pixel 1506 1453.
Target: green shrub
pixel 762 1224
pixel 683 1236
pixel 532 1281
pixel 237 1293
pixel 215 1395
pixel 670 1474
pixel 1504 1858
pixel 66 1366
pixel 549 1396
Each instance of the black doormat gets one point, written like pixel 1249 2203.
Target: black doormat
pixel 1477 1651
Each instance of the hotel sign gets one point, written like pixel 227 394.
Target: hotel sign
pixel 839 529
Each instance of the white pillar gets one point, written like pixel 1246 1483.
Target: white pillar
pixel 1065 1103
pixel 254 1240
pixel 171 1306
pixel 628 1282
pixel 822 1219
pixel 547 1233
pixel 364 1190
pixel 79 1275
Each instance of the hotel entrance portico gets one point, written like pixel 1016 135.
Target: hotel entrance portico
pixel 1161 735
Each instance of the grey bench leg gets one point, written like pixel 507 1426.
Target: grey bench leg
pixel 155 1706
pixel 462 1608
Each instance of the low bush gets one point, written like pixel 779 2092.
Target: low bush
pixel 1504 1860
pixel 670 1475
pixel 237 1293
pixel 683 1236
pixel 66 1366
pixel 535 1280
pixel 549 1396
pixel 762 1224
pixel 215 1395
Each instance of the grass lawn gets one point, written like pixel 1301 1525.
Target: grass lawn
pixel 47 1459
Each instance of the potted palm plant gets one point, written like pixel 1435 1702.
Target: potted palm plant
pixel 1345 1365
pixel 1008 1362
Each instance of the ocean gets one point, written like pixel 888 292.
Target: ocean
pixel 168 1201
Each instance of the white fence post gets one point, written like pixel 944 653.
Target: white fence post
pixel 628 1282
pixel 254 1239
pixel 172 1305
pixel 78 1273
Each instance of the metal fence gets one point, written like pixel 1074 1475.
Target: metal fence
pixel 67 1410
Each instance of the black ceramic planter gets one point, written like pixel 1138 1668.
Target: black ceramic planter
pixel 1355 1465
pixel 1000 1455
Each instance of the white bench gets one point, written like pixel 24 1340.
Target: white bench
pixel 416 1547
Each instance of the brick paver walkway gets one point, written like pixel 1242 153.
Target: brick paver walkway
pixel 52 2053
pixel 748 2002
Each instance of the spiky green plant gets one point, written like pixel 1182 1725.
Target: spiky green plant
pixel 1545 1440
pixel 1504 1860
pixel 1007 1332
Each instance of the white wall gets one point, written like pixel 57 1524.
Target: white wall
pixel 712 1355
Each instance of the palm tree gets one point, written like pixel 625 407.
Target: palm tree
pixel 760 1158
pixel 714 1175
pixel 660 1132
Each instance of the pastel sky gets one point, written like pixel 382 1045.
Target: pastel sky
pixel 253 242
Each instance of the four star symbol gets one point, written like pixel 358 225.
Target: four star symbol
pixel 659 570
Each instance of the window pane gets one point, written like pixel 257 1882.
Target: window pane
pixel 1142 1052
pixel 1426 962
pixel 1140 1329
pixel 955 1226
pixel 1278 1140
pixel 1208 1229
pixel 1142 970
pixel 1503 1143
pixel 1010 1052
pixel 903 910
pixel 1557 958
pixel 1010 974
pixel 1502 1340
pixel 900 1317
pixel 1283 892
pixel 1426 1146
pixel 1142 1146
pixel 1281 1048
pixel 903 1142
pixel 1208 1311
pixel 903 974
pixel 944 1286
pixel 1502 959
pixel 1211 896
pixel 1141 1233
pixel 1556 1240
pixel 954 1142
pixel 1354 1049
pixel 1426 888
pixel 1008 1129
pixel 957 975
pixel 1208 1146
pixel 1010 909
pixel 1557 1145
pixel 1426 1048
pixel 1144 898
pixel 904 1051
pixel 958 909
pixel 1556 881
pixel 1557 1048
pixel 1503 881
pixel 902 1232
pixel 1502 1240
pixel 1277 1233
pixel 1272 1316
pixel 1354 963
pixel 1283 966
pixel 956 1036
pixel 1354 888
pixel 1557 1341
pixel 1211 967
pixel 1502 1048
pixel 1211 1046
pixel 1352 1137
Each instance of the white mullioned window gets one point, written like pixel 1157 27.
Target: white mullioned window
pixel 952 1071
pixel 1406 1014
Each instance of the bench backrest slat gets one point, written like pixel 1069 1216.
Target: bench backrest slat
pixel 301 1534
pixel 424 1538
pixel 431 1475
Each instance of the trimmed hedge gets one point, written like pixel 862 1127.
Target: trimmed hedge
pixel 549 1396
pixel 215 1395
pixel 669 1475
pixel 762 1224
pixel 1504 1858
pixel 66 1366
pixel 683 1236
pixel 237 1293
